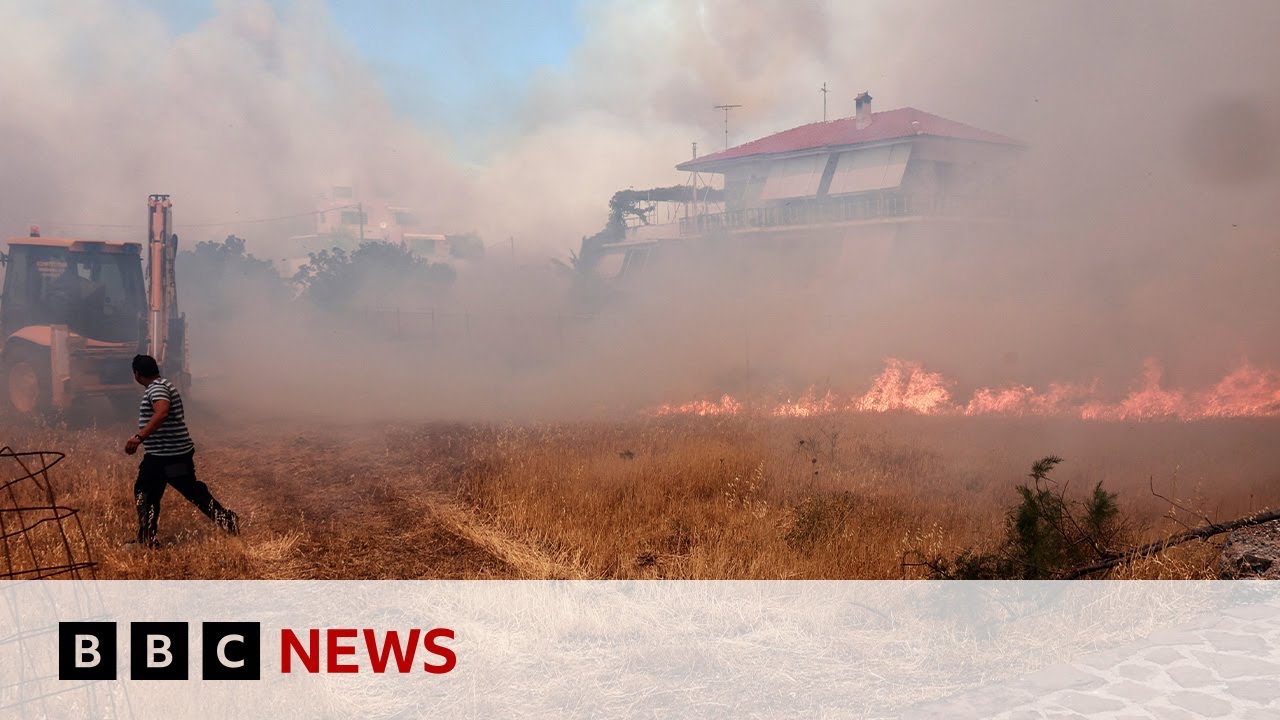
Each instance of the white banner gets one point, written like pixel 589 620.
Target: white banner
pixel 402 649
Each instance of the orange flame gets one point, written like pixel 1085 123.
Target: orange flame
pixel 905 386
pixel 725 406
pixel 808 405
pixel 1247 392
pixel 1026 401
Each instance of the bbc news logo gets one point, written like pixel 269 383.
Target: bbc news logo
pixel 233 651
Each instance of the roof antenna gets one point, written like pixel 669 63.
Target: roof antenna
pixel 726 109
pixel 824 91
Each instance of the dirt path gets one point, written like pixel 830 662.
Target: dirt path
pixel 343 505
pixel 317 502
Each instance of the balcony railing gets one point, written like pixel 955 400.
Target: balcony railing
pixel 852 208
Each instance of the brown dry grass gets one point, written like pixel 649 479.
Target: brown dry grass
pixel 839 497
pixel 843 497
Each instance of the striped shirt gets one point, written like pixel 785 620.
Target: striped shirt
pixel 171 438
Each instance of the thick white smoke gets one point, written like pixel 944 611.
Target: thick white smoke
pixel 1149 179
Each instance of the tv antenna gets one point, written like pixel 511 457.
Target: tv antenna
pixel 726 109
pixel 824 101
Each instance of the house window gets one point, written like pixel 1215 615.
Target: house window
pixel 406 219
pixel 354 217
pixel 422 246
pixel 342 192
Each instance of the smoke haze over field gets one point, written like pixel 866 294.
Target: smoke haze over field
pixel 1149 183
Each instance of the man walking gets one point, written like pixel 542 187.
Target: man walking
pixel 169 460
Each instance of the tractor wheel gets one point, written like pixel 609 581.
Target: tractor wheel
pixel 28 390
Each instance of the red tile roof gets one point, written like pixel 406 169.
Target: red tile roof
pixel 887 125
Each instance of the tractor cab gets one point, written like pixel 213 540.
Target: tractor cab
pixel 95 289
pixel 72 314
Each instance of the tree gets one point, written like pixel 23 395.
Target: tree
pixel 1047 534
pixel 216 278
pixel 637 204
pixel 375 272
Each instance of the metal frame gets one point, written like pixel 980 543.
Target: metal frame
pixel 38 537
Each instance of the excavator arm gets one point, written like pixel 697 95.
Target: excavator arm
pixel 166 327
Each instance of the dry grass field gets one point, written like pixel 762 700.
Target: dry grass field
pixel 683 497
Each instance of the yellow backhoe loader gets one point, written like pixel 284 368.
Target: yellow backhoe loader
pixel 74 312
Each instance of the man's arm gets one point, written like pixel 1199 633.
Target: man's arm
pixel 161 411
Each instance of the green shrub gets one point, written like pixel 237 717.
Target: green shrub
pixel 1047 534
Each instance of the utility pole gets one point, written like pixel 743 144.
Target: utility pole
pixel 693 178
pixel 360 209
pixel 824 101
pixel 726 109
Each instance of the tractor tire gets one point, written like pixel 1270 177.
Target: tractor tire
pixel 27 385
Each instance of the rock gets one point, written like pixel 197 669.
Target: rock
pixel 1252 552
pixel 1202 704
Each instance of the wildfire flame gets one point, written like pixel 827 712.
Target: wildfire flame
pixel 905 386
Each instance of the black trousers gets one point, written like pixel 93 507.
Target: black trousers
pixel 158 471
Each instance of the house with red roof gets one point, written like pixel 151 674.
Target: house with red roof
pixel 872 176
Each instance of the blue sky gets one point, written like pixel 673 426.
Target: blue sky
pixel 442 63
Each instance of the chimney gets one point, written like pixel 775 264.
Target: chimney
pixel 862 106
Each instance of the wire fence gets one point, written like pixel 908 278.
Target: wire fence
pixel 437 326
pixel 745 348
pixel 39 538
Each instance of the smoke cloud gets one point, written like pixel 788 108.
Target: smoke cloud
pixel 1147 193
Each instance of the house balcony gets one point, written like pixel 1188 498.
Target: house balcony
pixel 876 207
